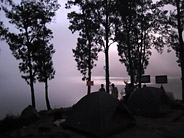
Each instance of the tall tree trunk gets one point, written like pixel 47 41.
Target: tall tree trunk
pixel 30 70
pixel 182 72
pixel 32 92
pixel 46 95
pixel 182 79
pixel 140 63
pixel 132 75
pixel 89 66
pixel 89 51
pixel 107 47
pixel 89 79
pixel 141 49
pixel 31 80
pixel 107 68
pixel 181 44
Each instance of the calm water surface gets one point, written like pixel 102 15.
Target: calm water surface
pixel 63 92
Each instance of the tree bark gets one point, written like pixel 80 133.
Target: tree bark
pixel 31 80
pixel 32 93
pixel 89 53
pixel 107 68
pixel 107 47
pixel 140 61
pixel 132 75
pixel 89 66
pixel 181 45
pixel 46 96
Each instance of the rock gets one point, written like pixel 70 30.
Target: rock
pixel 29 115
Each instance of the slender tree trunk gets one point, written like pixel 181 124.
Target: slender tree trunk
pixel 89 52
pixel 89 66
pixel 182 79
pixel 32 92
pixel 132 75
pixel 140 64
pixel 89 79
pixel 141 50
pixel 181 44
pixel 46 95
pixel 107 47
pixel 31 80
pixel 107 68
pixel 30 70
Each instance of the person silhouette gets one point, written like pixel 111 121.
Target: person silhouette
pixel 128 90
pixel 102 89
pixel 114 91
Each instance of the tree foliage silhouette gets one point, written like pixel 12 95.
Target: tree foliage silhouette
pixel 126 36
pixel 174 24
pixel 135 35
pixel 29 17
pixel 104 13
pixel 106 17
pixel 87 49
pixel 2 28
pixel 44 52
pixel 43 59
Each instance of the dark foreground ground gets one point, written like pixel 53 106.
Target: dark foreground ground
pixel 169 126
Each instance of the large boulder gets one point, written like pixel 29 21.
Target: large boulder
pixel 29 115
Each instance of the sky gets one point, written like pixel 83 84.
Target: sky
pixel 15 93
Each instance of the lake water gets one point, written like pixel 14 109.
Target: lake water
pixel 63 92
pixel 173 85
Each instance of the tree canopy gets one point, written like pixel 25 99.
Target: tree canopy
pixel 138 30
pixel 87 48
pixel 30 19
pixel 173 34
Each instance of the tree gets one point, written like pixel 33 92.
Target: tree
pixel 44 49
pixel 136 35
pixel 144 27
pixel 174 33
pixel 106 19
pixel 87 49
pixel 43 58
pixel 125 36
pixel 103 13
pixel 133 37
pixel 29 20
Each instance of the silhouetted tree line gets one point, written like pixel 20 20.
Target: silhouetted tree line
pixel 31 43
pixel 135 25
pixel 174 32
